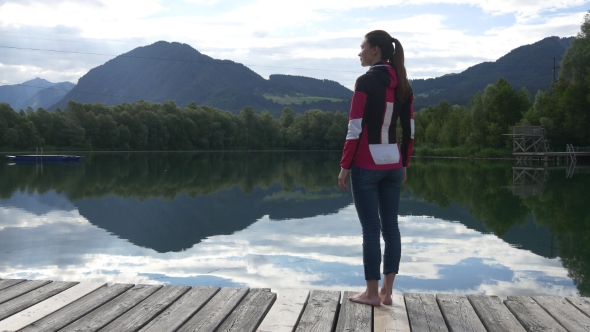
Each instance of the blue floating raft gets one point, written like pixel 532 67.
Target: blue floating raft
pixel 45 159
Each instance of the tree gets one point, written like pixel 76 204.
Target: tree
pixel 285 121
pixel 572 91
pixel 28 136
pixel 108 131
pixel 10 137
pixel 451 134
pixel 8 116
pixel 287 117
pixel 249 121
pixel 65 132
pixel 124 137
pixel 495 111
pixel 270 131
pixel 157 133
pixel 335 137
pixel 178 139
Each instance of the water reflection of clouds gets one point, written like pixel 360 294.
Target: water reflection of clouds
pixel 323 252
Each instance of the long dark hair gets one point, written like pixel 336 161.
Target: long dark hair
pixel 393 52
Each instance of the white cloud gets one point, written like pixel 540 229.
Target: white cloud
pixel 14 74
pixel 524 9
pixel 307 34
pixel 203 2
pixel 497 7
pixel 74 13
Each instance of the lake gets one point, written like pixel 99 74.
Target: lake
pixel 278 220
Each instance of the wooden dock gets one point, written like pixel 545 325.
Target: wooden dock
pixel 529 143
pixel 40 305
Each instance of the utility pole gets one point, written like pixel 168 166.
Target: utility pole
pixel 554 77
pixel 554 71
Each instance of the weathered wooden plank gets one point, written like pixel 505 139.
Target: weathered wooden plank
pixel 391 318
pixel 494 315
pixel 44 308
pixel 285 312
pixel 183 309
pixel 564 312
pixel 531 316
pixel 582 303
pixel 320 312
pixel 215 311
pixel 77 309
pixel 249 313
pixel 142 313
pixel 5 283
pixel 354 316
pixel 424 313
pixel 20 289
pixel 111 310
pixel 33 297
pixel 458 313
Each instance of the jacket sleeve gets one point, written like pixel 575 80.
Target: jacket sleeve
pixel 355 123
pixel 407 124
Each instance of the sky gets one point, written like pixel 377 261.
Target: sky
pixel 312 38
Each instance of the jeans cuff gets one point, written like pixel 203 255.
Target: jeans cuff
pixel 372 272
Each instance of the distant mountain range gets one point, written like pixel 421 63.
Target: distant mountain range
pixel 173 71
pixel 36 93
pixel 527 66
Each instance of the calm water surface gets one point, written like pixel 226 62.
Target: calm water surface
pixel 278 220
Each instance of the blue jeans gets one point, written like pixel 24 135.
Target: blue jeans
pixel 376 198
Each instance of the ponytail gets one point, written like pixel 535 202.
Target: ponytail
pixel 393 52
pixel 397 60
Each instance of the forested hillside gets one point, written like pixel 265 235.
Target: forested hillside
pixel 308 86
pixel 528 66
pixel 173 71
pixel 447 129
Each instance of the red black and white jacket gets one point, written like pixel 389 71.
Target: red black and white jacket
pixel 371 141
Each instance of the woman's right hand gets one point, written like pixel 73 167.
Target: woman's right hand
pixel 343 179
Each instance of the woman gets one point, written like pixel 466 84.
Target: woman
pixel 372 156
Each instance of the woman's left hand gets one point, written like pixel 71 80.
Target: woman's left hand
pixel 343 179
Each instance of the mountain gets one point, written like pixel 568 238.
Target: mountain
pixel 34 93
pixel 45 98
pixel 17 94
pixel 527 66
pixel 174 71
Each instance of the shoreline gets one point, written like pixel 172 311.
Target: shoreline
pixel 52 152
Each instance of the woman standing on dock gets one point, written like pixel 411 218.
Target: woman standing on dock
pixel 375 161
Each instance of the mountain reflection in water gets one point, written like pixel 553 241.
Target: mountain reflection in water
pixel 277 220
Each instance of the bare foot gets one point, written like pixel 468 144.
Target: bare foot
pixel 385 297
pixel 364 298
